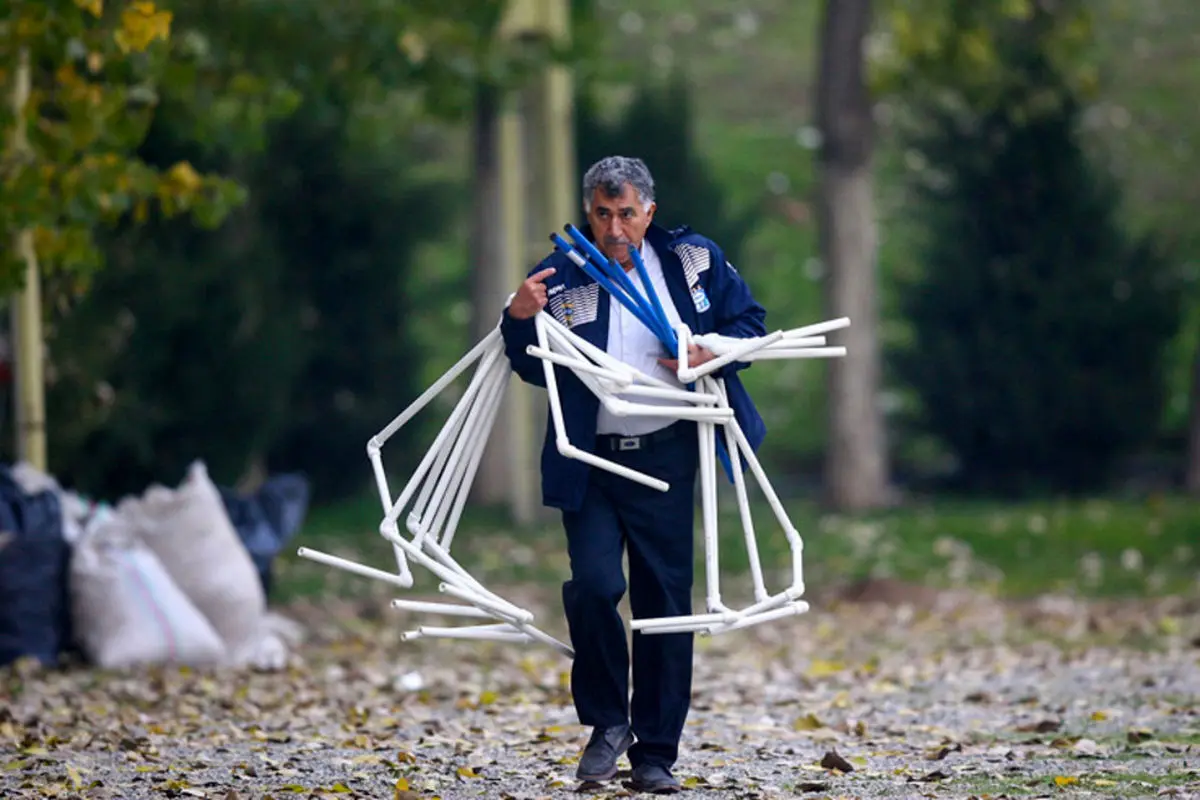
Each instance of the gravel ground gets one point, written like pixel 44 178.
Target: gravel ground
pixel 963 698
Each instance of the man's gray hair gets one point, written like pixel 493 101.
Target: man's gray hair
pixel 610 176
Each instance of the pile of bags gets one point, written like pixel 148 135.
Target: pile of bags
pixel 175 576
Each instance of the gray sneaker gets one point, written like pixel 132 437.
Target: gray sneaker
pixel 599 760
pixel 654 779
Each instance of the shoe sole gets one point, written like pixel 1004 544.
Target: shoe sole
pixel 668 789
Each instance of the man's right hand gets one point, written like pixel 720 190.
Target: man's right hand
pixel 531 297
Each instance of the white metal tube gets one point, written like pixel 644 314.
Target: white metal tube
pixel 435 450
pixel 779 354
pixel 571 451
pixel 708 507
pixel 464 491
pixel 669 394
pixel 708 367
pixel 354 567
pixel 385 497
pixel 819 328
pixel 448 609
pixel 451 633
pixel 472 438
pixel 702 619
pixel 624 408
pixel 791 609
pixel 577 365
pixel 793 537
pixel 441 383
pixel 486 603
pixel 451 433
pixel 743 501
pixel 600 357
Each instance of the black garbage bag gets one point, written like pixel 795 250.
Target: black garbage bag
pixel 34 559
pixel 268 518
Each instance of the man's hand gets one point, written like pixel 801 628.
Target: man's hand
pixel 697 355
pixel 531 297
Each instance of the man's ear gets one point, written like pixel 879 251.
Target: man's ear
pixel 650 211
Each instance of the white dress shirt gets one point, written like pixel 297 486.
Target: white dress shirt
pixel 632 343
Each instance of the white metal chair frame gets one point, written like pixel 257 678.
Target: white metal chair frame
pixel 436 493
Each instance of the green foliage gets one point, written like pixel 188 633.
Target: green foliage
pixel 1039 326
pixel 951 52
pixel 94 72
pixel 657 126
pixel 279 340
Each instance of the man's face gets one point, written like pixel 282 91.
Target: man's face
pixel 618 222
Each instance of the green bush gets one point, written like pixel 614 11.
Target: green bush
pixel 1039 325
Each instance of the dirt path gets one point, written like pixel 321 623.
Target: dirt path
pixel 972 700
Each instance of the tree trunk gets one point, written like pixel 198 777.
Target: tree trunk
pixel 1193 451
pixel 489 276
pixel 856 469
pixel 26 310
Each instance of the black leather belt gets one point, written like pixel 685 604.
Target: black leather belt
pixel 611 442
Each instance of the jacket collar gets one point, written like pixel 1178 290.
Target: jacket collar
pixel 663 241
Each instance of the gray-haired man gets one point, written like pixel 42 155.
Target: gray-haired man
pixel 604 514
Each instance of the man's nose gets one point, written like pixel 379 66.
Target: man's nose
pixel 615 229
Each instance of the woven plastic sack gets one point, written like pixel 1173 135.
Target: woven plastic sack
pixel 190 532
pixel 126 608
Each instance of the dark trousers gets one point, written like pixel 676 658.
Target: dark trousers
pixel 657 529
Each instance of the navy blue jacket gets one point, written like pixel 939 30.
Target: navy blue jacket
pixel 708 293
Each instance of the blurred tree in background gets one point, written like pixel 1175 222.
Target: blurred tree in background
pixel 280 340
pixel 656 125
pixel 1039 324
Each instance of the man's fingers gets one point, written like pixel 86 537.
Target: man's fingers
pixel 538 277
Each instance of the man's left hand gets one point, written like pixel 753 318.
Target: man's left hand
pixel 697 355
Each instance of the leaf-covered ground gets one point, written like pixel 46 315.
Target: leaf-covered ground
pixel 950 696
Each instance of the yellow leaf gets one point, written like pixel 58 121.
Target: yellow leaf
pixel 809 722
pixel 15 765
pixel 34 751
pixel 141 24
pixel 487 698
pixel 823 669
pixel 1099 716
pixel 1065 780
pixel 292 787
pixel 76 778
pixel 401 786
pixel 340 788
pixel 93 7
pixel 184 176
pixel 467 772
pixel 413 46
pixel 405 757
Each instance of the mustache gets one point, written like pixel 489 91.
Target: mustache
pixel 614 242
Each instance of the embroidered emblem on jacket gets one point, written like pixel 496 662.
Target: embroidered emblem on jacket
pixel 700 298
pixel 575 306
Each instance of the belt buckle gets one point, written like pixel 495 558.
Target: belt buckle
pixel 629 443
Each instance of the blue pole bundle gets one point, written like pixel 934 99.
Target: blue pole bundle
pixel 647 308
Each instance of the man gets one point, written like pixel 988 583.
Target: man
pixel 602 512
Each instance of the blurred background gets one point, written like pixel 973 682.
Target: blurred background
pixel 252 232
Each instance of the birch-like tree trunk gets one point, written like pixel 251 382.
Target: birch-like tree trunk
pixel 856 468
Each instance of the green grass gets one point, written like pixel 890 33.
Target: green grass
pixel 1097 548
